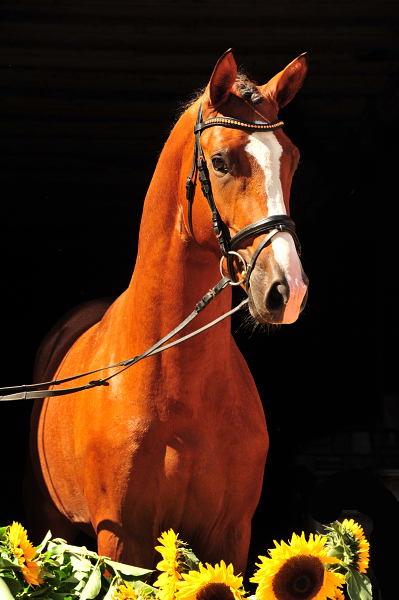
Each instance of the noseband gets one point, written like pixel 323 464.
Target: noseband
pixel 270 225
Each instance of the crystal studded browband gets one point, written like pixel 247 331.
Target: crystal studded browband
pixel 235 124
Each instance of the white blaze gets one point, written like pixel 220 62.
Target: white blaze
pixel 265 148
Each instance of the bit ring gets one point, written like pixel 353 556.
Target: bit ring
pixel 243 272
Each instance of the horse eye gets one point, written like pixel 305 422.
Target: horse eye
pixel 219 164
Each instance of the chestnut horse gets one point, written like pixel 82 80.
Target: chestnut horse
pixel 180 439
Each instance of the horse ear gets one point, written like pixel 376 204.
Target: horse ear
pixel 283 87
pixel 222 79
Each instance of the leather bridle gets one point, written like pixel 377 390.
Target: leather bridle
pixel 270 225
pixel 228 246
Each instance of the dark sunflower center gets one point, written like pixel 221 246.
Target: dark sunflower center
pixel 300 578
pixel 302 584
pixel 215 591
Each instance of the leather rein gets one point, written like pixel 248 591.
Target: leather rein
pixel 228 246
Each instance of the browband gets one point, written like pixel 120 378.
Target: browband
pixel 236 124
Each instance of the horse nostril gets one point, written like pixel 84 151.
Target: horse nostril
pixel 277 297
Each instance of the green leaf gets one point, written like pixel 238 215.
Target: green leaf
pixel 5 593
pixel 93 585
pixel 337 551
pixel 358 585
pixel 78 575
pixel 42 592
pixel 74 580
pixel 108 595
pixel 3 531
pixel 189 560
pixel 14 585
pixel 46 573
pixel 108 586
pixel 60 541
pixel 60 575
pixel 55 549
pixel 127 570
pixel 145 588
pixel 57 596
pixel 13 565
pixel 80 564
pixel 82 550
pixel 44 542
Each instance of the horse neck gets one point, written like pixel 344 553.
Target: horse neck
pixel 172 271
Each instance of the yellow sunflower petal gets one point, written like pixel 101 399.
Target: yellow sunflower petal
pixel 169 565
pixel 195 582
pixel 363 546
pixel 168 540
pixel 339 595
pixel 25 552
pixel 297 568
pixel 125 592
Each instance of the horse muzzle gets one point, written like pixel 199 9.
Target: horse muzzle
pixel 275 297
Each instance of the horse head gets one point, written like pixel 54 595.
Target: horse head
pixel 250 175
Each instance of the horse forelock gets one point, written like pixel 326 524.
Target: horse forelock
pixel 243 87
pixel 248 89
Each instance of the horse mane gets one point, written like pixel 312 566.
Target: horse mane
pixel 244 86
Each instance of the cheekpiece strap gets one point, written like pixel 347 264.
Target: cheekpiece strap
pixel 199 162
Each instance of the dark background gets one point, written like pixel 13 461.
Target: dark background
pixel 89 92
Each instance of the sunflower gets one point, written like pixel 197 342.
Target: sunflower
pixel 125 592
pixel 356 540
pixel 210 583
pixel 297 572
pixel 25 552
pixel 169 565
pixel 339 595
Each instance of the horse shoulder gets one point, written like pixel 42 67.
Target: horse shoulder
pixel 64 333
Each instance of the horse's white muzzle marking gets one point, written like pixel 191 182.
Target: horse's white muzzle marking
pixel 266 150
